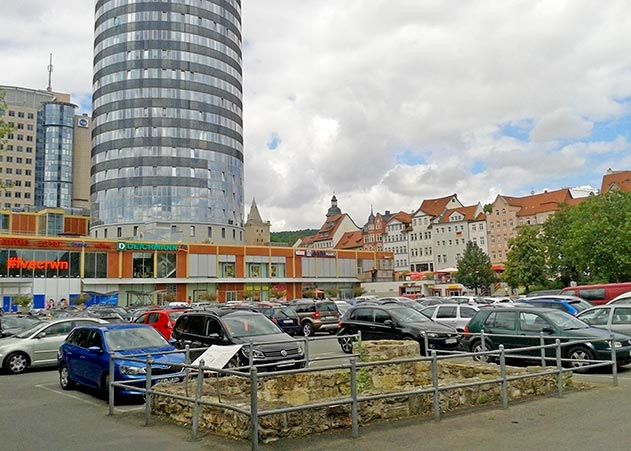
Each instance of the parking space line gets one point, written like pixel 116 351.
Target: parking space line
pixel 68 395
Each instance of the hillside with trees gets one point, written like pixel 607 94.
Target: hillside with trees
pixel 290 237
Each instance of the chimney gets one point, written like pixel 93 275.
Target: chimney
pixel 387 212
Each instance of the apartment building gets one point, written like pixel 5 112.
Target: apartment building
pixel 452 230
pixel 396 240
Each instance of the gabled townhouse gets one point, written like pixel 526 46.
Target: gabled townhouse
pixel 375 229
pixel 396 240
pixel 331 232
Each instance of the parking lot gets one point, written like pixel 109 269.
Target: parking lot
pixel 37 414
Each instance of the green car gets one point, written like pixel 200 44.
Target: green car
pixel 520 324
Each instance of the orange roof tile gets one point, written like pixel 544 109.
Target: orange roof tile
pixel 468 213
pixel 435 207
pixel 351 240
pixel 539 203
pixel 402 217
pixel 618 179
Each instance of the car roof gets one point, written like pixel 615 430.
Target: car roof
pixel 115 326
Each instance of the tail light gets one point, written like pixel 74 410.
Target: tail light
pixel 170 324
pixel 315 315
pixel 341 325
pixel 466 331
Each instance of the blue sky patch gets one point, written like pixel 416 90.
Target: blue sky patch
pixel 409 158
pixel 273 142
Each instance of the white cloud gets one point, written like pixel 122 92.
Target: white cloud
pixel 346 86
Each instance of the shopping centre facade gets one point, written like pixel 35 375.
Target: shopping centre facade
pixel 133 273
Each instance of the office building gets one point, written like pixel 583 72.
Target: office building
pixel 167 156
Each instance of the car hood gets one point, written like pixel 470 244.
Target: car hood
pixel 591 332
pixel 431 327
pixel 261 341
pixel 159 359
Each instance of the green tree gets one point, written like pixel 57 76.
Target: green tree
pixel 474 268
pixel 526 260
pixel 562 262
pixel 488 208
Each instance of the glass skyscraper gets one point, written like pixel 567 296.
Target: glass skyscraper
pixel 167 143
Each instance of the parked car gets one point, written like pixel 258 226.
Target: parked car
pixel 624 298
pixel 84 357
pixel 359 299
pixel 317 316
pixel 38 345
pixel 523 325
pixel 598 294
pixel 394 322
pixel 616 318
pixel 452 315
pixel 342 306
pixel 284 316
pixel 569 304
pixel 493 300
pixel 544 293
pixel 471 300
pixel 13 324
pixel 161 320
pixel 434 300
pixel 238 327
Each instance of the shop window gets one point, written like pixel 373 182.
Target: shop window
pixel 227 269
pixel 95 265
pixel 142 265
pixel 166 265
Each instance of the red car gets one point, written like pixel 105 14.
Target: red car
pixel 161 320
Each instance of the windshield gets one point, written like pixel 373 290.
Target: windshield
pixel 31 330
pixel 327 307
pixel 580 305
pixel 250 326
pixel 408 315
pixel 133 338
pixel 284 312
pixel 565 321
pixel 9 322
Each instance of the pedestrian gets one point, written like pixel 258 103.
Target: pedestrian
pixel 50 304
pixel 64 303
pixel 189 301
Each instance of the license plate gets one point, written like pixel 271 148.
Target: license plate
pixel 286 363
pixel 171 380
pixel 451 341
pixel 288 321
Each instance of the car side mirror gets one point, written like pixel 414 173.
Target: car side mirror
pixel 389 323
pixel 41 335
pixel 214 336
pixel 547 330
pixel 95 349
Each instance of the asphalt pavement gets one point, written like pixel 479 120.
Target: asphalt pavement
pixel 35 414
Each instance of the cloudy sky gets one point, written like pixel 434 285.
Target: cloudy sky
pixel 387 102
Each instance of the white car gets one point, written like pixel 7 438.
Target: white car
pixel 471 300
pixel 454 315
pixel 504 300
pixel 624 298
pixel 342 306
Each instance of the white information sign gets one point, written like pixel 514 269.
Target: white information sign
pixel 217 356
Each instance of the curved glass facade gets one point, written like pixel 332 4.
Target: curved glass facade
pixel 167 144
pixel 53 158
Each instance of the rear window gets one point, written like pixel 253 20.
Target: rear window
pixel 593 294
pixel 501 320
pixel 446 312
pixel 284 312
pixel 173 316
pixel 327 307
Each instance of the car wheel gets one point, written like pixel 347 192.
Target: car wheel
pixel 16 363
pixel 64 378
pixel 346 343
pixel 307 329
pixel 579 355
pixel 477 347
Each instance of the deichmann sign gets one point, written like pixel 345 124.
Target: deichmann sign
pixel 146 247
pixel 18 263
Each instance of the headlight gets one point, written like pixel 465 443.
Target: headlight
pixel 132 370
pixel 256 354
pixel 301 350
pixel 617 344
pixel 432 335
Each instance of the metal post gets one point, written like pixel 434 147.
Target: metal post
pixel 112 379
pixel 306 352
pixel 251 356
pixel 359 337
pixel 503 377
pixel 198 395
pixel 435 384
pixel 614 362
pixel 542 343
pixel 148 391
pixel 254 413
pixel 218 387
pixel 354 413
pixel 559 369
pixel 426 345
pixel 187 360
pixel 483 341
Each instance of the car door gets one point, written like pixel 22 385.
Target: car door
pixel 94 362
pixel 142 319
pixel 447 315
pixel 502 327
pixel 363 321
pixel 154 320
pixel 621 320
pixel 465 314
pixel 531 325
pixel 380 330
pixel 72 347
pixel 598 317
pixel 47 342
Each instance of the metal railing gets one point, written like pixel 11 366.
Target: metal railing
pixel 354 367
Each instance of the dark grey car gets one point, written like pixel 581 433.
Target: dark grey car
pixel 239 327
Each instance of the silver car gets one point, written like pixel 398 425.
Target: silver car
pixel 38 345
pixel 615 318
pixel 454 315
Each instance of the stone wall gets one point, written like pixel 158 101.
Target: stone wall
pixel 307 388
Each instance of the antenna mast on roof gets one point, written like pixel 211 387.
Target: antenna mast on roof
pixel 50 74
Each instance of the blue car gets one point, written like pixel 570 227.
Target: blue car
pixel 567 304
pixel 84 358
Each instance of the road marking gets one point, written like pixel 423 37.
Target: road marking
pixel 68 395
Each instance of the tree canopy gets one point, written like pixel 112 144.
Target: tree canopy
pixel 474 268
pixel 526 259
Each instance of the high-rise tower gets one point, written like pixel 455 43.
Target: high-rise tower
pixel 167 141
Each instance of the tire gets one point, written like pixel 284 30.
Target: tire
pixel 64 378
pixel 307 329
pixel 476 346
pixel 16 362
pixel 579 353
pixel 346 343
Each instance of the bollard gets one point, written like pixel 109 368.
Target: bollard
pixel 503 377
pixel 148 391
pixel 254 413
pixel 187 360
pixel 483 342
pixel 251 354
pixel 198 396
pixel 359 337
pixel 435 385
pixel 542 342
pixel 306 352
pixel 426 345
pixel 354 410
pixel 559 369
pixel 112 379
pixel 614 362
